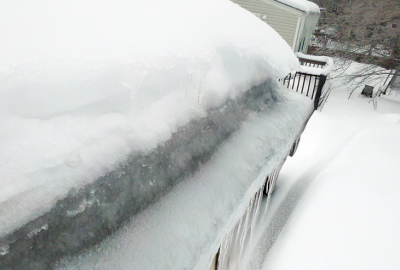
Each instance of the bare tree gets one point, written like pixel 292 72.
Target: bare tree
pixel 366 31
pixel 369 29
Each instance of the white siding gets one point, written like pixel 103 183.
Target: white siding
pixel 281 21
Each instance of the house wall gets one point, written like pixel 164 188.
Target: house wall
pixel 282 21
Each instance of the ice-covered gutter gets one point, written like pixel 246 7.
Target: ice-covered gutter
pixel 96 101
pixel 184 229
pixel 325 70
pixel 83 86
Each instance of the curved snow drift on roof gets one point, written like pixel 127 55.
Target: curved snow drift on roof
pixel 85 83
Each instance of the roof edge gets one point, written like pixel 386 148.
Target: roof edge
pixel 302 6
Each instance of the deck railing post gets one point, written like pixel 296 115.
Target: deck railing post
pixel 321 84
pixel 316 80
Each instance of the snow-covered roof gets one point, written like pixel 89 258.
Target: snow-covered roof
pixel 82 86
pixel 302 5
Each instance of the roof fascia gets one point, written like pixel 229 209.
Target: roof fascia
pixel 285 7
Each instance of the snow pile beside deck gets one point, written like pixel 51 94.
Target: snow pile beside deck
pixel 342 188
pixel 85 83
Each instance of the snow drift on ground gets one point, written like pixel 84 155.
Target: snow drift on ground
pixel 342 188
pixel 85 83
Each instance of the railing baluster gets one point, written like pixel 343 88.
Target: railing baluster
pixel 315 84
pixel 314 87
pixel 294 79
pixel 309 83
pixel 304 81
pixel 321 84
pixel 298 83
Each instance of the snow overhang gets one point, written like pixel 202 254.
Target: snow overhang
pixel 324 71
pixel 302 6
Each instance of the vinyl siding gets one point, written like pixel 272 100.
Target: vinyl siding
pixel 281 21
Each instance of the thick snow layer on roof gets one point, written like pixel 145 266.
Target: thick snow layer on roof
pixel 84 83
pixel 302 5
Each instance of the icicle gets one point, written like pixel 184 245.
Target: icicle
pixel 224 251
pixel 233 249
pixel 243 238
pixel 238 229
pixel 271 181
pixel 255 217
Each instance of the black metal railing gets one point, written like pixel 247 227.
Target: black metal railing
pixel 309 84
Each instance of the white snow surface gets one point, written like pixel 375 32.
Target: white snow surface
pixel 84 83
pixel 326 70
pixel 184 229
pixel 303 5
pixel 344 184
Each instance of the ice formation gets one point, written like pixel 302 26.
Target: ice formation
pixel 85 83
pixel 89 87
pixel 185 228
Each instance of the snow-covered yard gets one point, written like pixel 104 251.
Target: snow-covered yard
pixel 341 189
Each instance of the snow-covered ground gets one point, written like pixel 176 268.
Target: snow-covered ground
pixel 337 200
pixel 328 43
